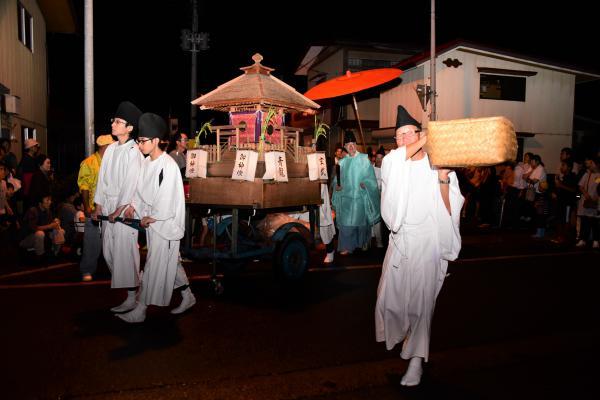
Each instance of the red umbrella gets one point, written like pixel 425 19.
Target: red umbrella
pixel 352 83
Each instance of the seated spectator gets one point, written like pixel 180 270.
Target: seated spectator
pixel 8 158
pixel 28 165
pixel 39 227
pixel 66 214
pixel 79 219
pixel 41 180
pixel 6 211
pixel 79 224
pixel 12 221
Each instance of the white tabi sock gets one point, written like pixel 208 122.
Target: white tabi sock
pixel 412 377
pixel 138 314
pixel 128 304
pixel 187 301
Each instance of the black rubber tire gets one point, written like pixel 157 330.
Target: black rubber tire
pixel 292 257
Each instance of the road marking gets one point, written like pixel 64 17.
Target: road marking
pixel 513 257
pixel 324 268
pixel 91 283
pixel 321 268
pixel 33 271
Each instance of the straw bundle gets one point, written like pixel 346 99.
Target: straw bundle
pixel 471 142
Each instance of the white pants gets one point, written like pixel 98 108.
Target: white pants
pixel 411 279
pixel 163 271
pixel 122 255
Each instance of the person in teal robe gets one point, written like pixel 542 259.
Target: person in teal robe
pixel 355 199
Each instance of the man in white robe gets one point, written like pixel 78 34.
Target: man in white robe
pixel 115 189
pixel 160 203
pixel 421 207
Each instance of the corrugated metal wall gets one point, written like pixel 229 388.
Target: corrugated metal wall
pixel 24 71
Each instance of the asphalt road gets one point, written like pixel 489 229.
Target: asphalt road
pixel 515 319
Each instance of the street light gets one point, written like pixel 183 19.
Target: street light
pixel 194 41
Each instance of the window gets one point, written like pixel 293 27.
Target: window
pixel 25 26
pixel 358 64
pixel 502 87
pixel 28 133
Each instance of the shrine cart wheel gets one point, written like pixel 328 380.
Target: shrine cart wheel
pixel 292 257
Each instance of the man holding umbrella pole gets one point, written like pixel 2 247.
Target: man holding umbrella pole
pixel 355 199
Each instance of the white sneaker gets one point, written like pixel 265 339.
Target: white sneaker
pixel 127 305
pixel 329 258
pixel 86 277
pixel 138 314
pixel 187 301
pixel 595 245
pixel 581 243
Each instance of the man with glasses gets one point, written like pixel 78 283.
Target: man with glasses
pixel 421 206
pixel 159 200
pixel 179 152
pixel 355 199
pixel 115 190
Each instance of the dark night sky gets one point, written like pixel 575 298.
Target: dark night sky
pixel 137 53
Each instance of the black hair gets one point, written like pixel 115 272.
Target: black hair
pixel 39 199
pixel 177 136
pixel 78 201
pixel 569 163
pixel 567 150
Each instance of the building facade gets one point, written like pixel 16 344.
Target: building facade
pixel 475 82
pixel 23 73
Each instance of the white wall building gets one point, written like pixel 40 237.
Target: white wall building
pixel 473 81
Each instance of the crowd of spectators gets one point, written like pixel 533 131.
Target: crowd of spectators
pixel 561 207
pixel 45 218
pixel 38 215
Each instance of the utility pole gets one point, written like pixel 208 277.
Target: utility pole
pixel 194 41
pixel 89 76
pixel 193 110
pixel 433 116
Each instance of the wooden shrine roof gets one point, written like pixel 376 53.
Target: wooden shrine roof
pixel 256 87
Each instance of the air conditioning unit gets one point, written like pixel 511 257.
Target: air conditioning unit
pixel 11 104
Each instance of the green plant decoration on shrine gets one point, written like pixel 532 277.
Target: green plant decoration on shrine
pixel 321 129
pixel 205 129
pixel 265 125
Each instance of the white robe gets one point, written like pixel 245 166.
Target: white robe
pixel 326 226
pixel 166 204
pixel 116 187
pixel 417 257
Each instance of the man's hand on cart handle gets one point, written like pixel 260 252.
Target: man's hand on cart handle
pixel 129 212
pixel 146 221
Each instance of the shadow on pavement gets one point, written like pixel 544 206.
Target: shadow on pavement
pixel 159 331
